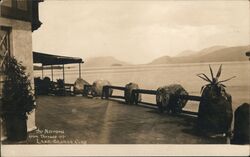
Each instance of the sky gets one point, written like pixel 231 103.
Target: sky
pixel 141 30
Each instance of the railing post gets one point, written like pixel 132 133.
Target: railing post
pixel 105 92
pixel 86 89
pixel 52 73
pixel 63 73
pixel 42 71
pixel 85 92
pixel 80 71
pixel 134 99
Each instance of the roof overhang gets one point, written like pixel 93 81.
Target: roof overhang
pixel 49 59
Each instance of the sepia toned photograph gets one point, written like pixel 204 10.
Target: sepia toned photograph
pixel 124 72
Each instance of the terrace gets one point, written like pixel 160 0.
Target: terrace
pixel 80 120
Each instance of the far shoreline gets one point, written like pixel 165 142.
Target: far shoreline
pixel 147 65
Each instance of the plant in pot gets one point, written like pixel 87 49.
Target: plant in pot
pixel 215 109
pixel 17 100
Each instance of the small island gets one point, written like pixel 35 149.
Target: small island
pixel 116 64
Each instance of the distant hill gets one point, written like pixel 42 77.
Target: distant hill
pixel 201 52
pixel 210 50
pixel 103 62
pixel 212 54
pixel 116 64
pixel 186 53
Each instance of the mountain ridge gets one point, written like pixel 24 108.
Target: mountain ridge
pixel 216 53
pixel 200 52
pixel 210 54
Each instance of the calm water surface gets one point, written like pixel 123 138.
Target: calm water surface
pixel 154 76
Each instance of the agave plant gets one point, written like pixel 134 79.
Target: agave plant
pixel 214 81
pixel 215 109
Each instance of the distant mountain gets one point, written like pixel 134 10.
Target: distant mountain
pixel 201 52
pixel 105 61
pixel 227 54
pixel 186 53
pixel 211 54
pixel 162 60
pixel 210 50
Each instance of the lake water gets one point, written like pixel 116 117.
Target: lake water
pixel 154 76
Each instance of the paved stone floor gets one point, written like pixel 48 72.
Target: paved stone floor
pixel 80 120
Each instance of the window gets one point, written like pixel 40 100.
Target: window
pixel 4 51
pixel 7 3
pixel 22 4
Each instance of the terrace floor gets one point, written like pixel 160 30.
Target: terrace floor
pixel 80 120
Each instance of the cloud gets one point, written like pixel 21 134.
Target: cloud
pixel 139 31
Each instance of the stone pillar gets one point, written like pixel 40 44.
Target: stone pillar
pixel 22 51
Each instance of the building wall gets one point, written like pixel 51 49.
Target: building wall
pixel 17 9
pixel 21 49
pixel 24 10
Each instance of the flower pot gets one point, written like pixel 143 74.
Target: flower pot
pixel 215 111
pixel 241 132
pixel 16 127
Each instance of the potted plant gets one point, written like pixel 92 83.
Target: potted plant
pixel 17 100
pixel 215 109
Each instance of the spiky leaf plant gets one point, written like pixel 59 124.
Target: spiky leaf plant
pixel 214 81
pixel 215 109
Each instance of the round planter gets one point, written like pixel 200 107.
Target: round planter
pixel 16 127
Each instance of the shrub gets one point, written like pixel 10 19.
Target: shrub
pixel 18 100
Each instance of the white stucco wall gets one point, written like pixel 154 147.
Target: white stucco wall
pixel 21 48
